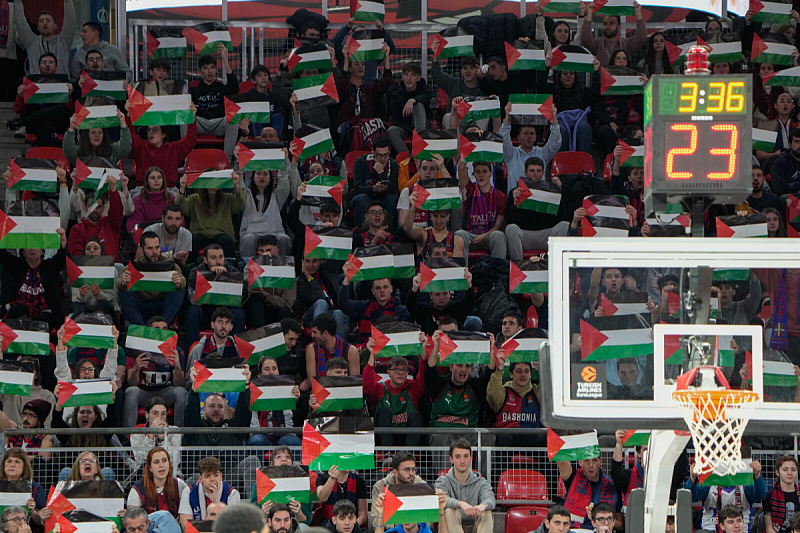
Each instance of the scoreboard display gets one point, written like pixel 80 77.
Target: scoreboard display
pixel 697 138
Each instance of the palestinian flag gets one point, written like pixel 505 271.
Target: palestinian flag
pixel 464 348
pixel 16 379
pixel 572 57
pixel 328 243
pixel 410 503
pixel 199 526
pixel 615 343
pixel 272 393
pixel 85 270
pixel 312 142
pixel 629 303
pixel 673 350
pixel 779 374
pixel 218 289
pixel 723 353
pixel 772 52
pixel 165 47
pixel 92 171
pixel 15 493
pixel 152 340
pixel 442 275
pixel 560 6
pixel 524 346
pixel 457 46
pixel 102 498
pixel 771 12
pixel 254 107
pixel 527 277
pixel 25 341
pixel 165 110
pixel 713 308
pixel 152 277
pixel 370 263
pixel 21 231
pixel 483 150
pixel 636 437
pixel 474 108
pixel 337 393
pixel 737 226
pixel 620 80
pixel 617 8
pixel 282 484
pixel 719 478
pixel 525 107
pixel 730 274
pixel 765 139
pixel 600 226
pixel 347 442
pixel 83 335
pixel 314 91
pixel 309 57
pixel 323 188
pixel 101 116
pixel 543 198
pixel 789 77
pixel 365 49
pixel 524 58
pixel 723 52
pixel 35 175
pixel 426 143
pixel 46 89
pixel 600 206
pixel 438 194
pixel 677 54
pixel 266 341
pixel 404 264
pixel 98 86
pixel 367 10
pixel 206 36
pixel 84 392
pixel 396 339
pixel 572 447
pixel 219 374
pixel 82 521
pixel 265 272
pixel 261 156
pixel 211 179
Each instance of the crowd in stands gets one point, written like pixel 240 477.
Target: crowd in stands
pixel 152 216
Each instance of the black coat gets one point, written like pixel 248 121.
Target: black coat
pixel 50 272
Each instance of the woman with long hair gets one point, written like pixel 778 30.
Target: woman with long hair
pixel 152 199
pixel 159 489
pixel 96 142
pixel 85 468
pixel 16 466
pixel 764 98
pixel 775 224
pixel 656 58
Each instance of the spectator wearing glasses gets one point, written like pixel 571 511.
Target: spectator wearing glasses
pixel 603 518
pixel 404 471
pixel 375 177
pixel 14 519
pixel 136 520
pixel 16 466
pixel 85 468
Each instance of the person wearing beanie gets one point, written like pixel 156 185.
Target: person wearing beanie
pixel 34 413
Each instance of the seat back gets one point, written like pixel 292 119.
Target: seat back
pixel 349 161
pixel 245 86
pixel 525 518
pixel 571 163
pixel 200 159
pixel 608 167
pixel 532 317
pixel 49 152
pixel 527 485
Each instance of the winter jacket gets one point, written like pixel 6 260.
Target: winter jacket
pixel 785 174
pixel 377 488
pixel 194 419
pixel 371 94
pixel 168 157
pixel 398 96
pixel 107 229
pixel 212 224
pixel 49 271
pixel 515 156
pixel 475 491
pixel 150 296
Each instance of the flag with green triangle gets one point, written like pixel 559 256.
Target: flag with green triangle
pixel 91 270
pixel 25 337
pixel 16 379
pixel 31 174
pixel 282 484
pixel 337 393
pixel 270 272
pixel 255 343
pixel 272 393
pixel 464 348
pixel 347 442
pixel 207 36
pixel 218 288
pixel 410 503
pixel 219 374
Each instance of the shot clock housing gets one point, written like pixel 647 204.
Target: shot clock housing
pixel 697 133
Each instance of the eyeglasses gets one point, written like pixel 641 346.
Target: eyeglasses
pixel 381 156
pixel 375 211
pixel 604 519
pixel 408 469
pixel 88 461
pixel 18 520
pixel 87 369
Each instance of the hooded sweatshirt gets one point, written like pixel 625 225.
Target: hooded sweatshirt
pixel 475 491
pixel 496 391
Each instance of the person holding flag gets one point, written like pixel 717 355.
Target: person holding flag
pixel 516 402
pixel 377 507
pixel 301 512
pixel 45 120
pixel 15 465
pixel 95 224
pixel 375 178
pixel 484 211
pixel 208 94
pixel 587 486
pixel 517 157
pixel 268 366
pixel 94 142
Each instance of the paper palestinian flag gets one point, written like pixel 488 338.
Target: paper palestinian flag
pixel 199 526
pixel 272 393
pixel 210 179
pixel 254 107
pixel 524 58
pixel 771 12
pixel 92 172
pixel 723 52
pixel 82 521
pixel 16 379
pixel 560 6
pixel 337 393
pixel 777 53
pixel 347 442
pixel 84 392
pixel 464 348
pixel 83 335
pixel 437 194
pixel 572 57
pixel 97 116
pixel 367 10
pixel 428 142
pixel 165 110
pixel 102 498
pixel 315 91
pixel 32 341
pixel 111 84
pixel 601 345
pixel 541 197
pixel 46 89
pixel 396 339
pixel 368 48
pixel 620 81
pixel 719 478
pixel 410 503
pixel 224 288
pixel 87 270
pixel 270 272
pixel 737 226
pixel 524 346
pixel 321 189
pixel 624 304
pixel 309 57
pixel 207 36
pixel 219 374
pixel 328 243
pixel 457 46
pixel 153 340
pixel 310 141
pixel 255 156
pixel 572 447
pixel 723 353
pixel 530 108
pixel 371 263
pixel 605 216
pixel 616 8
pixel 632 156
pixel 474 108
pixel 30 224
pixel 404 264
pixel 266 341
pixel 779 374
pixel 30 174
pixel 282 484
pixel 489 147
pixel 636 437
pixel 677 54
pixel 730 274
pixel 527 277
pixel 765 139
pixel 151 277
pixel 443 274
pixel 789 77
pixel 165 47
pixel 15 493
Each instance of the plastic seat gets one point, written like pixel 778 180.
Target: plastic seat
pixel 527 485
pixel 572 163
pixel 442 101
pixel 31 138
pixel 49 152
pixel 349 161
pixel 210 140
pixel 245 86
pixel 532 317
pixel 608 167
pixel 200 159
pixel 525 518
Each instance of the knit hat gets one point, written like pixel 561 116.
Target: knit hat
pixel 40 407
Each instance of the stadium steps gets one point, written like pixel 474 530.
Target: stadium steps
pixel 9 145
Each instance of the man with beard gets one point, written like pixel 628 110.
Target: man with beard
pixel 172 234
pixel 412 527
pixel 301 512
pixel 34 413
pixel 94 224
pixel 281 520
pixel 404 470
pixel 611 41
pixel 326 346
pixel 760 199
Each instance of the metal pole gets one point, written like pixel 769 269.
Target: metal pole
pixel 144 56
pixel 423 7
pixel 480 450
pixel 224 10
pixel 523 9
pixel 324 8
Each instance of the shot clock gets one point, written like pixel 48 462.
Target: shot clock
pixel 697 139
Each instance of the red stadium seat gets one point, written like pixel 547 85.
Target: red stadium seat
pixel 474 255
pixel 532 317
pixel 49 152
pixel 210 140
pixel 442 101
pixel 525 518
pixel 572 163
pixel 608 167
pixel 561 492
pixel 245 86
pixel 31 138
pixel 527 485
pixel 200 159
pixel 349 161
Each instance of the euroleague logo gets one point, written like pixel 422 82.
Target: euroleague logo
pixel 589 374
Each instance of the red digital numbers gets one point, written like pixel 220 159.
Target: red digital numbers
pixel 690 150
pixel 711 137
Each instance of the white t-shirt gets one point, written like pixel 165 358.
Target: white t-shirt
pixel 135 501
pixel 186 507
